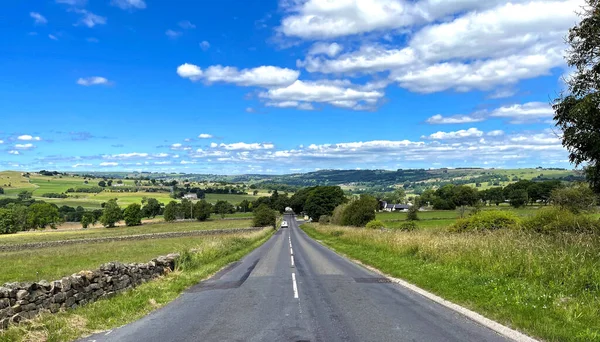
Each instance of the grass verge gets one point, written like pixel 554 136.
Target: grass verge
pixel 546 286
pixel 134 304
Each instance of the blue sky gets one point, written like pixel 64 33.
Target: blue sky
pixel 281 86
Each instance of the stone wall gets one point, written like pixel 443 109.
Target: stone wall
pixel 21 301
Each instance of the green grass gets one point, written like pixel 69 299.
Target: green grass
pixel 547 286
pixel 233 199
pixel 27 237
pixel 134 304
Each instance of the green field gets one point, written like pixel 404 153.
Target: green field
pixel 547 286
pixel 28 237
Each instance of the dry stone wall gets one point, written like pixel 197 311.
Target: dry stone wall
pixel 21 301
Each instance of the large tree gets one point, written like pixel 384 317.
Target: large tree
pixel 577 112
pixel 133 215
pixel 111 214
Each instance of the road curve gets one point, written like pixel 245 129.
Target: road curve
pixel 310 295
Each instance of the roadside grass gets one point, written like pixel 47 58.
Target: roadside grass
pixel 545 285
pixel 136 303
pixel 28 237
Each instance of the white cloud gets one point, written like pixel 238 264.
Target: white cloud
pixel 330 50
pixel 80 165
pixel 324 92
pixel 241 146
pixel 109 164
pixel 521 113
pixel 461 134
pixel 495 133
pixel 456 119
pixel 71 2
pixel 250 110
pixel 213 145
pixel 53 37
pixel 24 146
pixel 89 19
pixel 180 147
pixel 162 163
pixel 186 162
pixel 263 76
pixel 291 104
pixel 173 34
pixel 129 4
pixel 15 152
pixel 38 18
pixel 1 141
pixel 186 25
pixel 28 137
pixel 94 80
pixel 204 45
pixel 205 136
pixel 126 155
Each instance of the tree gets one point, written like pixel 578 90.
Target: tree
pixel 576 199
pixel 202 210
pixel 133 215
pixel 396 197
pixel 111 214
pixel 495 195
pixel 151 208
pixel 41 215
pixel 109 183
pixel 359 212
pixel 102 183
pixel 463 196
pixel 518 198
pixel 244 205
pixel 171 211
pixel 322 200
pixel 577 112
pixel 88 219
pixel 1 191
pixel 8 224
pixel 264 216
pixel 255 192
pixel 223 207
pixel 24 195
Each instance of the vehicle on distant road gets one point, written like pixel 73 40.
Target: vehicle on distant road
pixel 284 224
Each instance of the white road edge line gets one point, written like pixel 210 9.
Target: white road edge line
pixel 472 315
pixel 294 285
pixel 291 251
pixel 291 256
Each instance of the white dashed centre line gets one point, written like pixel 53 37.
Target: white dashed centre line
pixel 292 257
pixel 294 285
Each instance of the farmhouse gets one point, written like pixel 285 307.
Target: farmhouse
pixel 191 196
pixel 385 206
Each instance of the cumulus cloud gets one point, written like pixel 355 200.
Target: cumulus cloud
pixel 241 146
pixel 94 80
pixel 80 165
pixel 53 37
pixel 15 152
pixel 89 19
pixel 263 76
pixel 324 92
pixel 109 164
pixel 461 134
pixel 28 137
pixel 321 48
pixel 129 4
pixel 205 136
pixel 456 119
pixel 38 18
pixel 204 45
pixel 173 34
pixel 521 113
pixel 186 25
pixel 24 146
pixel 126 155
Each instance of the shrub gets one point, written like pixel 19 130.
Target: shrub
pixel 553 220
pixel 407 226
pixel 413 213
pixel 264 216
pixel 171 210
pixel 375 224
pixel 486 220
pixel 324 219
pixel 575 199
pixel 338 212
pixel 88 219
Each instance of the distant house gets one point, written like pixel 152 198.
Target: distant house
pixel 385 206
pixel 191 196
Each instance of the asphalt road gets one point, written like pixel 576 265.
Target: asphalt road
pixel 320 297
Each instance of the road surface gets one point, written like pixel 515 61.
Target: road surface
pixel 293 289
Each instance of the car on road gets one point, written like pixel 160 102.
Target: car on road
pixel 284 224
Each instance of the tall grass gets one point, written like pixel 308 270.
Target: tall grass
pixel 546 285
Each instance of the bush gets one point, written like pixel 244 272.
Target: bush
pixel 553 220
pixel 413 213
pixel 407 226
pixel 338 212
pixel 324 219
pixel 575 199
pixel 375 224
pixel 264 216
pixel 486 220
pixel 171 211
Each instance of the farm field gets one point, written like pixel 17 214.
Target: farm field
pixel 28 237
pixel 544 285
pixel 55 262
